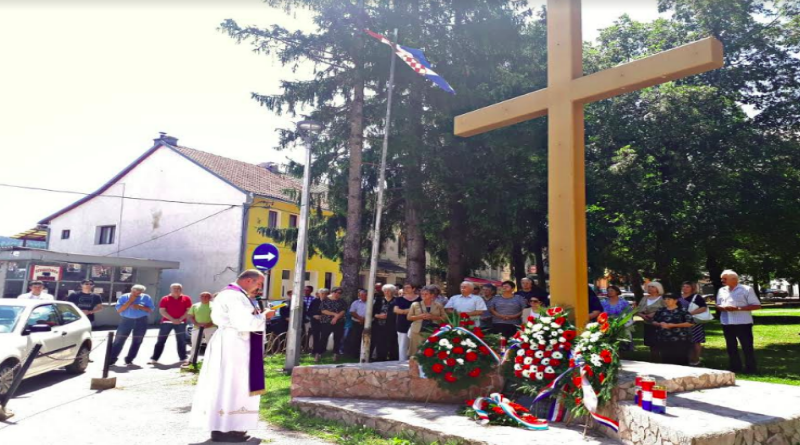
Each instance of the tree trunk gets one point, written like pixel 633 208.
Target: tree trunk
pixel 538 252
pixel 518 263
pixel 415 254
pixel 714 271
pixel 351 262
pixel 456 237
pixel 636 285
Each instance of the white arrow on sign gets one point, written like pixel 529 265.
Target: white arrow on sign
pixel 269 256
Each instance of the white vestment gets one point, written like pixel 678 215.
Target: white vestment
pixel 222 401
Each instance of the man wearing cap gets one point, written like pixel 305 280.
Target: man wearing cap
pixel 38 292
pixel 87 301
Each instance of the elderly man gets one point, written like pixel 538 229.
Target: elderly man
pixel 37 292
pixel 735 302
pixel 232 378
pixel 200 317
pixel 358 313
pixel 467 302
pixel 174 309
pixel 133 309
pixel 530 290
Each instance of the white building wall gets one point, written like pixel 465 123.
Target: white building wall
pixel 208 251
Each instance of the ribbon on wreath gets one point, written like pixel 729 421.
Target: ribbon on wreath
pixel 447 327
pixel 503 403
pixel 589 398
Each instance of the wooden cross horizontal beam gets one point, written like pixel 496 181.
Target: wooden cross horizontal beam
pixel 675 63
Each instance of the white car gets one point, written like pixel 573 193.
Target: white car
pixel 64 332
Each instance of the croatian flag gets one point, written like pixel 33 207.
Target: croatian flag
pixel 415 58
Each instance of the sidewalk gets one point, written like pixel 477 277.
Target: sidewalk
pixel 150 405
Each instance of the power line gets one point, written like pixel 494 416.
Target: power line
pixel 70 192
pixel 176 230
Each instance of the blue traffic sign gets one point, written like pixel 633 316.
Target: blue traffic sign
pixel 265 256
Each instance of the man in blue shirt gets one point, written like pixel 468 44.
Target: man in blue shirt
pixel 133 309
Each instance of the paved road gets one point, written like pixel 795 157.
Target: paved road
pixel 150 405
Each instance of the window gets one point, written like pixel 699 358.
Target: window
pixel 308 276
pixel 105 234
pixel 328 280
pixel 292 221
pixel 285 274
pixel 272 222
pixel 68 313
pixel 44 315
pixel 65 234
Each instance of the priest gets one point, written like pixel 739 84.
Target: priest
pixel 232 378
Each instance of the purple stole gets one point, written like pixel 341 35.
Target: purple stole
pixel 256 363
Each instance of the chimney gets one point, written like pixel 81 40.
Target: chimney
pixel 166 139
pixel 270 166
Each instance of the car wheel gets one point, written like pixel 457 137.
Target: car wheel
pixel 6 376
pixel 770 295
pixel 81 361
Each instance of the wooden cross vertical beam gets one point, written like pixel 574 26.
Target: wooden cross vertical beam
pixel 565 158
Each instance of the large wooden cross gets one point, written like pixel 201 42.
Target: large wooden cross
pixel 568 90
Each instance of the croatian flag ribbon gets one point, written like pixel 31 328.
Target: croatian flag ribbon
pixel 415 58
pixel 503 403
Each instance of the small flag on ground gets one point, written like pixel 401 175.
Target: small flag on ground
pixel 415 58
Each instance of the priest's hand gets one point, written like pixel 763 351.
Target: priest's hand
pixel 269 314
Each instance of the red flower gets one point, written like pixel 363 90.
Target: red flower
pixel 457 340
pixel 529 353
pixel 560 321
pixel 602 318
pixel 484 350
pixel 571 363
pixel 588 370
pixel 578 400
pixel 464 316
pixel 548 354
pixel 442 355
pixel 475 373
pixel 437 368
pixel 555 362
pixel 478 332
pixel 540 368
pixel 471 357
pixel 433 339
pixel 542 347
pixel 602 377
pixel 458 350
pixel 570 335
pixel 566 346
pixel 605 354
pixel 451 362
pixel 429 352
pixel 553 311
pixel 518 334
pixel 498 410
pixel 518 374
pixel 518 408
pixel 469 402
pixel 526 346
pixel 519 359
pixel 604 327
pixel 531 318
pixel 449 377
pixel 576 380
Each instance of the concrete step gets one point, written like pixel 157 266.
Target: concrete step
pixel 435 422
pixel 674 378
pixel 750 413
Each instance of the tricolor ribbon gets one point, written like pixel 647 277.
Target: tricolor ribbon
pixel 503 403
pixel 447 328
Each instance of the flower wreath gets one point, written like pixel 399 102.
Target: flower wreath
pixel 497 410
pixel 456 357
pixel 542 348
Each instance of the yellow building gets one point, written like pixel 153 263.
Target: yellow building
pixel 272 213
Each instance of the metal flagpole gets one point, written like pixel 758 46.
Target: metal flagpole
pixel 366 337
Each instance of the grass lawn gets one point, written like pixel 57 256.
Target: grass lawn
pixel 777 346
pixel 275 409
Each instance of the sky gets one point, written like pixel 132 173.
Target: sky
pixel 86 85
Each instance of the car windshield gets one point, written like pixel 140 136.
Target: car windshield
pixel 8 318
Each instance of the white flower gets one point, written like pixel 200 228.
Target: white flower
pixel 520 352
pixel 524 338
pixel 539 375
pixel 528 360
pixel 526 373
pixel 542 342
pixel 517 367
pixel 537 327
pixel 553 341
pixel 538 354
pixel 449 346
pixel 591 326
pixel 443 342
pixel 545 361
pixel 546 320
pixel 560 331
pixel 549 370
pixel 529 325
pixel 597 363
pixel 557 355
pixel 586 334
pixel 554 326
pixel 562 340
pixel 460 361
pixel 594 357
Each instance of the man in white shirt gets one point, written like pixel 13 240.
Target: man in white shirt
pixel 358 313
pixel 37 292
pixel 467 302
pixel 735 302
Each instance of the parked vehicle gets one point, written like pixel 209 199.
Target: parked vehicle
pixel 64 332
pixel 630 297
pixel 774 293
